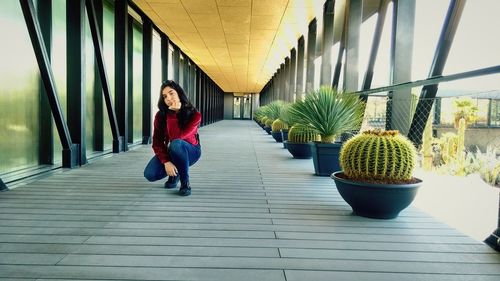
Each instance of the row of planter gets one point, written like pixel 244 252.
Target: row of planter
pixel 372 170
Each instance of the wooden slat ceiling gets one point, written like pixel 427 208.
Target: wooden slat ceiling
pixel 238 43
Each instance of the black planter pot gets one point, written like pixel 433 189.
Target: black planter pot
pixel 325 157
pixel 277 136
pixel 267 129
pixel 299 150
pixel 378 201
pixel 284 136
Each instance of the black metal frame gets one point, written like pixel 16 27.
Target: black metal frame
pixel 147 47
pixel 46 148
pixel 300 67
pixel 75 61
pixel 121 70
pixel 293 65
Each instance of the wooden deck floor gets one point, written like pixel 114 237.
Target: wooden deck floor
pixel 255 214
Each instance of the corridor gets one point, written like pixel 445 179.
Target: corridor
pixel 255 214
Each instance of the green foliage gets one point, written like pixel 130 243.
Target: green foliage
pixel 285 115
pixel 259 114
pixel 379 156
pixel 301 134
pixel 273 110
pixel 278 125
pixel 269 122
pixel 328 112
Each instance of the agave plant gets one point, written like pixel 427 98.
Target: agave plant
pixel 273 110
pixel 328 112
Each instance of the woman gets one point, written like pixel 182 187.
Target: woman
pixel 175 138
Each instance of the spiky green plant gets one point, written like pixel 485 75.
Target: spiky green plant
pixel 259 114
pixel 278 125
pixel 285 115
pixel 301 134
pixel 329 112
pixel 378 156
pixel 273 109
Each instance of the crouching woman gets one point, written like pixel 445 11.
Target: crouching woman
pixel 176 142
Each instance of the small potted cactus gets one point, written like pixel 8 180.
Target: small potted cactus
pixel 276 128
pixel 298 141
pixel 377 174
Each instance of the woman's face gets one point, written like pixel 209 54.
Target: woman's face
pixel 170 96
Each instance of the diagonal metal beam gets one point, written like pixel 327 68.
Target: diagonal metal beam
pixel 96 38
pixel 70 150
pixel 428 93
pixel 377 35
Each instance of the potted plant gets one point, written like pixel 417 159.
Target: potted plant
pixel 298 141
pixel 377 174
pixel 287 119
pixel 328 113
pixel 272 112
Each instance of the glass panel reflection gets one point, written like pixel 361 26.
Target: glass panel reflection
pixel 19 92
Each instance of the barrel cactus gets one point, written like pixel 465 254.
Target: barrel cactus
pixel 278 125
pixel 298 134
pixel 378 156
pixel 269 122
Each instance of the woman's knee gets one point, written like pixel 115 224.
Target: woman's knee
pixel 149 175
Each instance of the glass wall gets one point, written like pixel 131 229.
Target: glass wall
pixel 58 61
pixel 170 73
pixel 109 58
pixel 90 100
pixel 428 25
pixel 156 73
pixel 19 92
pixel 137 82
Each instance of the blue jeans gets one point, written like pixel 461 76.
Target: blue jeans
pixel 182 154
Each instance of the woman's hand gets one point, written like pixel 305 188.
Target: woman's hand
pixel 170 169
pixel 175 106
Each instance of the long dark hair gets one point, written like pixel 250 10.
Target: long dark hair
pixel 187 110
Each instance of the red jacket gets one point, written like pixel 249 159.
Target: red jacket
pixel 173 132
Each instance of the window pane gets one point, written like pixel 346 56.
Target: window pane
pixel 58 62
pixel 475 45
pixel 137 83
pixel 19 92
pixel 109 58
pixel 428 24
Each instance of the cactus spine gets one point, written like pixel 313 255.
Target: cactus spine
pixel 380 156
pixel 301 135
pixel 278 125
